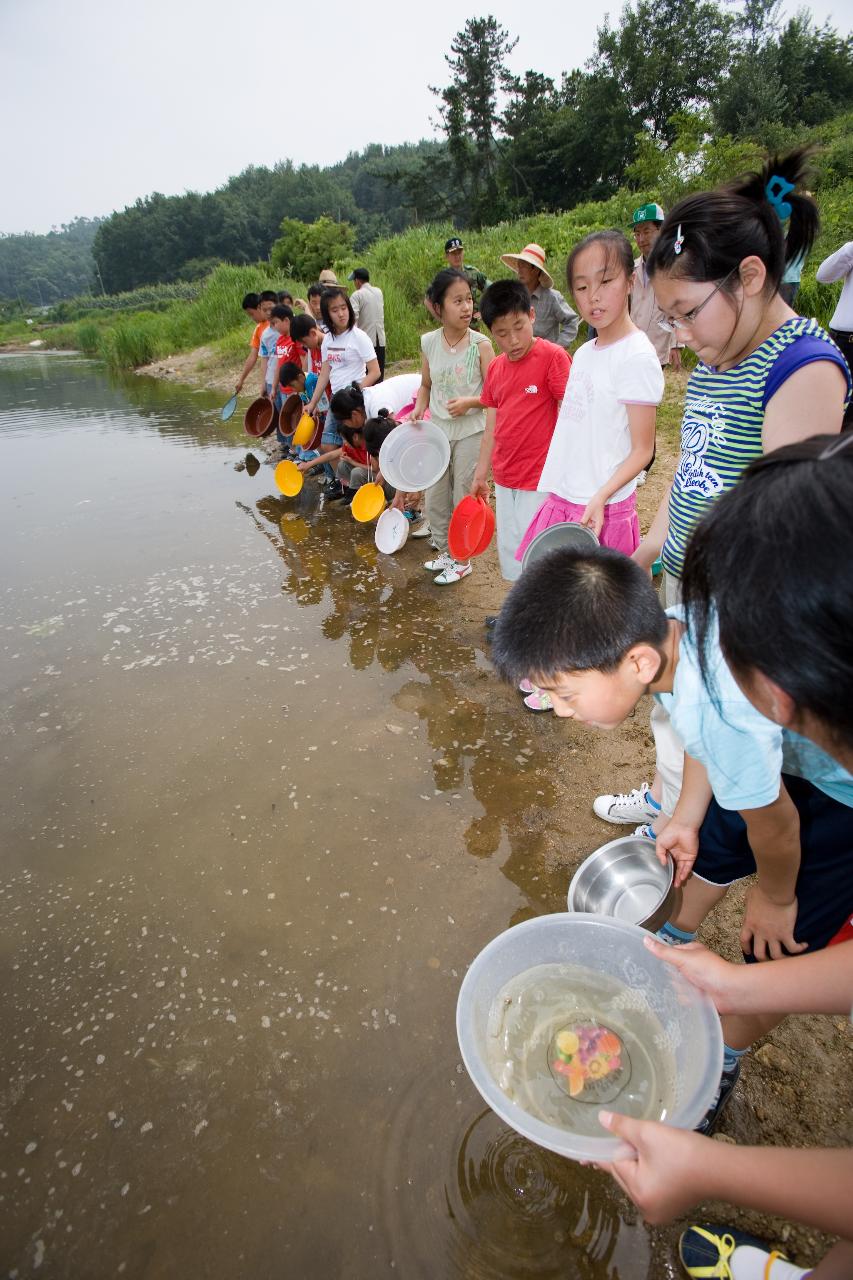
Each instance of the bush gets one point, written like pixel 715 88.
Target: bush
pixel 88 337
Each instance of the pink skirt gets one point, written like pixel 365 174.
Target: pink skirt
pixel 621 528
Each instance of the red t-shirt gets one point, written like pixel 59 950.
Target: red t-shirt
pixel 288 350
pixel 356 455
pixel 527 395
pixel 316 360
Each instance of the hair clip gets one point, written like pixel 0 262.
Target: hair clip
pixel 840 443
pixel 678 244
pixel 776 188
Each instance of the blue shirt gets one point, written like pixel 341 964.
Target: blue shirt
pixel 744 753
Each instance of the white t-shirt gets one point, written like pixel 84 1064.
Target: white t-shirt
pixel 347 354
pixel 392 395
pixel 592 438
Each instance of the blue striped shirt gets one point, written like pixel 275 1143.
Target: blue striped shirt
pixel 722 423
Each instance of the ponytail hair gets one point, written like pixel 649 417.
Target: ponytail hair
pixel 343 402
pixel 707 235
pixel 377 430
pixel 772 565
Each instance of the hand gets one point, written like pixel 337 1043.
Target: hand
pixel 593 515
pixel 308 466
pixel 238 388
pixel 399 501
pixel 457 407
pixel 675 358
pixel 768 926
pixel 664 1179
pixel 722 981
pixel 682 843
pixel 480 487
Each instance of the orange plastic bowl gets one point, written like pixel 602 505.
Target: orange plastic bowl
pixel 368 503
pixel 466 528
pixel 259 418
pixel 289 478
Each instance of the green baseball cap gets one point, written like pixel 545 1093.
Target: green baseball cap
pixel 648 213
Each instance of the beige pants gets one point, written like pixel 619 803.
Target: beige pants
pixel 515 509
pixel 452 487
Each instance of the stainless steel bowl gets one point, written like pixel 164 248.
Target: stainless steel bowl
pixel 624 879
pixel 566 534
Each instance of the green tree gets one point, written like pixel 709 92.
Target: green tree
pixel 469 112
pixel 304 249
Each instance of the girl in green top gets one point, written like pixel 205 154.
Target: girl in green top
pixel 454 363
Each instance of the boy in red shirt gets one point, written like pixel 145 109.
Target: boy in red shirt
pixel 523 390
pixel 287 349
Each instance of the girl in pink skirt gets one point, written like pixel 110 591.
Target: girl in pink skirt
pixel 605 433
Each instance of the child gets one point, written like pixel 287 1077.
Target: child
pixel 348 356
pixel 258 307
pixel 605 433
pixel 764 375
pixel 453 368
pixel 352 407
pixel 287 349
pixel 588 627
pixel 781 594
pixel 294 381
pixel 523 390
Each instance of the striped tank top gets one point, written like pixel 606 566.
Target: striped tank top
pixel 721 432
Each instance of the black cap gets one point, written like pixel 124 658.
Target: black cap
pixel 453 243
pixel 360 273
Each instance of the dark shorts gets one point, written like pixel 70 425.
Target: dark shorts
pixel 825 881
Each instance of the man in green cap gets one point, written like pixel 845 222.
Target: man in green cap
pixel 645 312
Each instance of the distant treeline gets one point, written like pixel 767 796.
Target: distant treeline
pixel 40 270
pixel 670 77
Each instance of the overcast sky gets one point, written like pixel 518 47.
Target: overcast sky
pixel 103 102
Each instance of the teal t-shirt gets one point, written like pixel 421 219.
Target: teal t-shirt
pixel 744 753
pixel 721 427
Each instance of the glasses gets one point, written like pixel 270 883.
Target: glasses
pixel 670 324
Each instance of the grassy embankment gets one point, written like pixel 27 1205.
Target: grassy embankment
pixel 169 321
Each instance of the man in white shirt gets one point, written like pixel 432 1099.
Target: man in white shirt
pixel 369 307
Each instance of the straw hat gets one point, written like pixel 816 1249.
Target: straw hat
pixel 535 255
pixel 328 278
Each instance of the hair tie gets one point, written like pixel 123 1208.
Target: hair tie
pixel 776 188
pixel 678 244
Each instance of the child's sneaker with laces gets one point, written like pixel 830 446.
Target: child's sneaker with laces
pixel 439 563
pixel 635 806
pixel 454 572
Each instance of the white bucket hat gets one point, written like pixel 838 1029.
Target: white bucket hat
pixel 535 255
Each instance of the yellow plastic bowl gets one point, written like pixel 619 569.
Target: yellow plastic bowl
pixel 304 430
pixel 289 478
pixel 368 503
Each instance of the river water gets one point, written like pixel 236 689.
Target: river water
pixel 262 804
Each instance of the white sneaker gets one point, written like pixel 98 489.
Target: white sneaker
pixel 422 531
pixel 441 562
pixel 644 831
pixel 453 573
pixel 629 808
pixel 641 478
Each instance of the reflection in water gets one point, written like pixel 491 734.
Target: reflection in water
pixel 264 803
pixel 510 1209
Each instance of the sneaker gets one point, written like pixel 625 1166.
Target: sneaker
pixel 454 572
pixel 335 491
pixel 439 563
pixel 412 517
pixel 422 531
pixel 709 1250
pixel 633 807
pixel 708 1124
pixel 644 831
pixel 538 700
pixel 641 478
